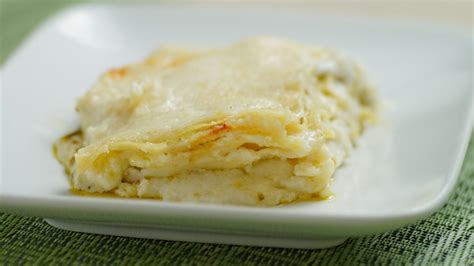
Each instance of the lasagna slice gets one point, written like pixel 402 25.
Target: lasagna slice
pixel 262 122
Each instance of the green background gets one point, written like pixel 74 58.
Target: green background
pixel 447 237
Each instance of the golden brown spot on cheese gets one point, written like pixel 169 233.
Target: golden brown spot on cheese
pixel 219 128
pixel 327 92
pixel 292 162
pixel 118 72
pixel 322 78
pixel 251 146
pixel 301 120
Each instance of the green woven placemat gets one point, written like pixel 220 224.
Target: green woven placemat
pixel 447 237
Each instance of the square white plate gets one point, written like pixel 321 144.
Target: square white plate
pixel 402 171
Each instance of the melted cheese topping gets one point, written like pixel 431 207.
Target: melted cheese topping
pixel 262 122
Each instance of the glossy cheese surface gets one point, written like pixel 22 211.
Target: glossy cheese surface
pixel 262 122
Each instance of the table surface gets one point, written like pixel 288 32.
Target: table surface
pixel 446 237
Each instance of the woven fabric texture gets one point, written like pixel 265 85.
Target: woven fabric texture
pixel 445 238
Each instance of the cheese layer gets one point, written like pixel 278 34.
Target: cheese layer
pixel 262 122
